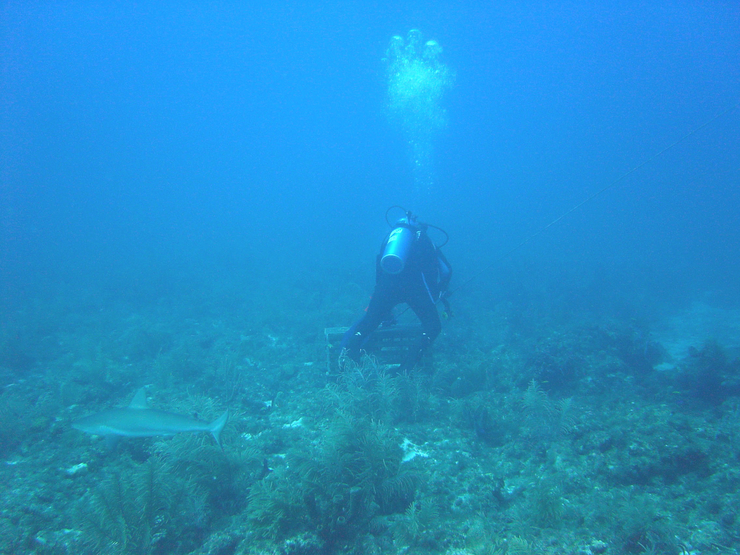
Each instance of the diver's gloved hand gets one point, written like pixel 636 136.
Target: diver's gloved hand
pixel 444 299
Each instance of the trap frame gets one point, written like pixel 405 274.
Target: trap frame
pixel 388 345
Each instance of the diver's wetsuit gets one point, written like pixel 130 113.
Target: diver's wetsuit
pixel 425 276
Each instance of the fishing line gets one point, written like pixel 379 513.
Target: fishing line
pixel 593 196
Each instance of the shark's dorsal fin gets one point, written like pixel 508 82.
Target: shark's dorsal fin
pixel 139 400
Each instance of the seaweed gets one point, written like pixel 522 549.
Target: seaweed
pixel 352 476
pixel 546 506
pixel 274 506
pixel 144 509
pixel 366 390
pixel 416 521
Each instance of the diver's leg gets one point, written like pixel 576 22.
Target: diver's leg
pixel 431 326
pixel 356 337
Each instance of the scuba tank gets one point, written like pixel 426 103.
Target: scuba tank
pixel 398 245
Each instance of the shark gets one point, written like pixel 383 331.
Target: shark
pixel 138 420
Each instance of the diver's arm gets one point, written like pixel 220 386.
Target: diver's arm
pixel 444 276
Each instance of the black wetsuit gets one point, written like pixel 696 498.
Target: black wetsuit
pixel 424 278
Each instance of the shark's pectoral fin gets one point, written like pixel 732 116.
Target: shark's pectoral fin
pixel 217 426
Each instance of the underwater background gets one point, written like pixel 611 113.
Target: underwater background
pixel 192 192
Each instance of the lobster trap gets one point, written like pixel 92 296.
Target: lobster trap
pixel 389 346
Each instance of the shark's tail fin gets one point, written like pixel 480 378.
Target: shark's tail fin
pixel 218 425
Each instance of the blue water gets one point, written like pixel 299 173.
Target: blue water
pixel 139 138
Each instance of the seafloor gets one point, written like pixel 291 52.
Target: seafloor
pixel 532 430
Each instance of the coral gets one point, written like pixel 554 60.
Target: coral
pixel 560 438
pixel 477 413
pixel 520 546
pixel 144 509
pixel 274 506
pixel 15 421
pixel 480 540
pixel 539 411
pixel 709 375
pixel 11 536
pixel 352 476
pixel 334 487
pixel 227 377
pixel 416 521
pixel 142 339
pixel 366 391
pixel 545 418
pixel 546 506
pixel 566 418
pixel 201 460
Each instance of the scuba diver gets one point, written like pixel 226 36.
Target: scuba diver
pixel 409 269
